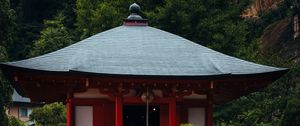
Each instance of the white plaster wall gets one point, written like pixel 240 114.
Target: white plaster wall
pixel 197 116
pixel 83 116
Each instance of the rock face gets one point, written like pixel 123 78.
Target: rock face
pixel 275 33
pixel 259 6
pixel 278 37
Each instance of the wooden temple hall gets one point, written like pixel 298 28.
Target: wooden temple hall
pixel 137 75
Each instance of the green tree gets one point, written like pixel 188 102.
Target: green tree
pixel 13 121
pixel 49 115
pixel 213 23
pixel 53 37
pixel 6 25
pixel 7 16
pixel 292 113
pixel 95 16
pixel 30 16
pixel 7 22
pixel 5 93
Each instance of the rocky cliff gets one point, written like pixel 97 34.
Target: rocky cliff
pixel 257 7
pixel 276 33
pixel 278 37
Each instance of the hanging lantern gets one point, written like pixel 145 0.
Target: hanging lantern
pixel 147 96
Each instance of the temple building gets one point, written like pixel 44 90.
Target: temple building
pixel 137 75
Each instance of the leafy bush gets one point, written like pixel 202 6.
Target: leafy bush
pixel 49 115
pixel 12 121
pixel 186 124
pixel 292 114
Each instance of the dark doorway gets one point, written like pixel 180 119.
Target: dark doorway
pixel 135 115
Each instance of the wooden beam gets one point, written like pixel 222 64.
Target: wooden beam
pixel 138 100
pixel 90 101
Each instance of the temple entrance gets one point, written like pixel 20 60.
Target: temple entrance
pixel 135 115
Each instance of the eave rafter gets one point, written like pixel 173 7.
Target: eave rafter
pixel 62 84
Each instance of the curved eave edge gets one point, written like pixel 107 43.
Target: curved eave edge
pixel 201 77
pixel 273 74
pixel 13 67
pixel 31 103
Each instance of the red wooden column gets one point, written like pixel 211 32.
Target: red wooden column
pixel 209 108
pixel 119 110
pixel 69 112
pixel 172 112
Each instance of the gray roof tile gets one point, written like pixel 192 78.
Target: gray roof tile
pixel 141 50
pixel 17 98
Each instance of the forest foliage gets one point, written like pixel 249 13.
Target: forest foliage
pixel 49 115
pixel 31 27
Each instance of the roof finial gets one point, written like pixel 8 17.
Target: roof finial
pixel 135 11
pixel 134 8
pixel 134 18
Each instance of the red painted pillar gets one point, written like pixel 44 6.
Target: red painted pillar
pixel 69 112
pixel 172 112
pixel 209 108
pixel 209 115
pixel 119 110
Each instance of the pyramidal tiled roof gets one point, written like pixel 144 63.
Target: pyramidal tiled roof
pixel 142 51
